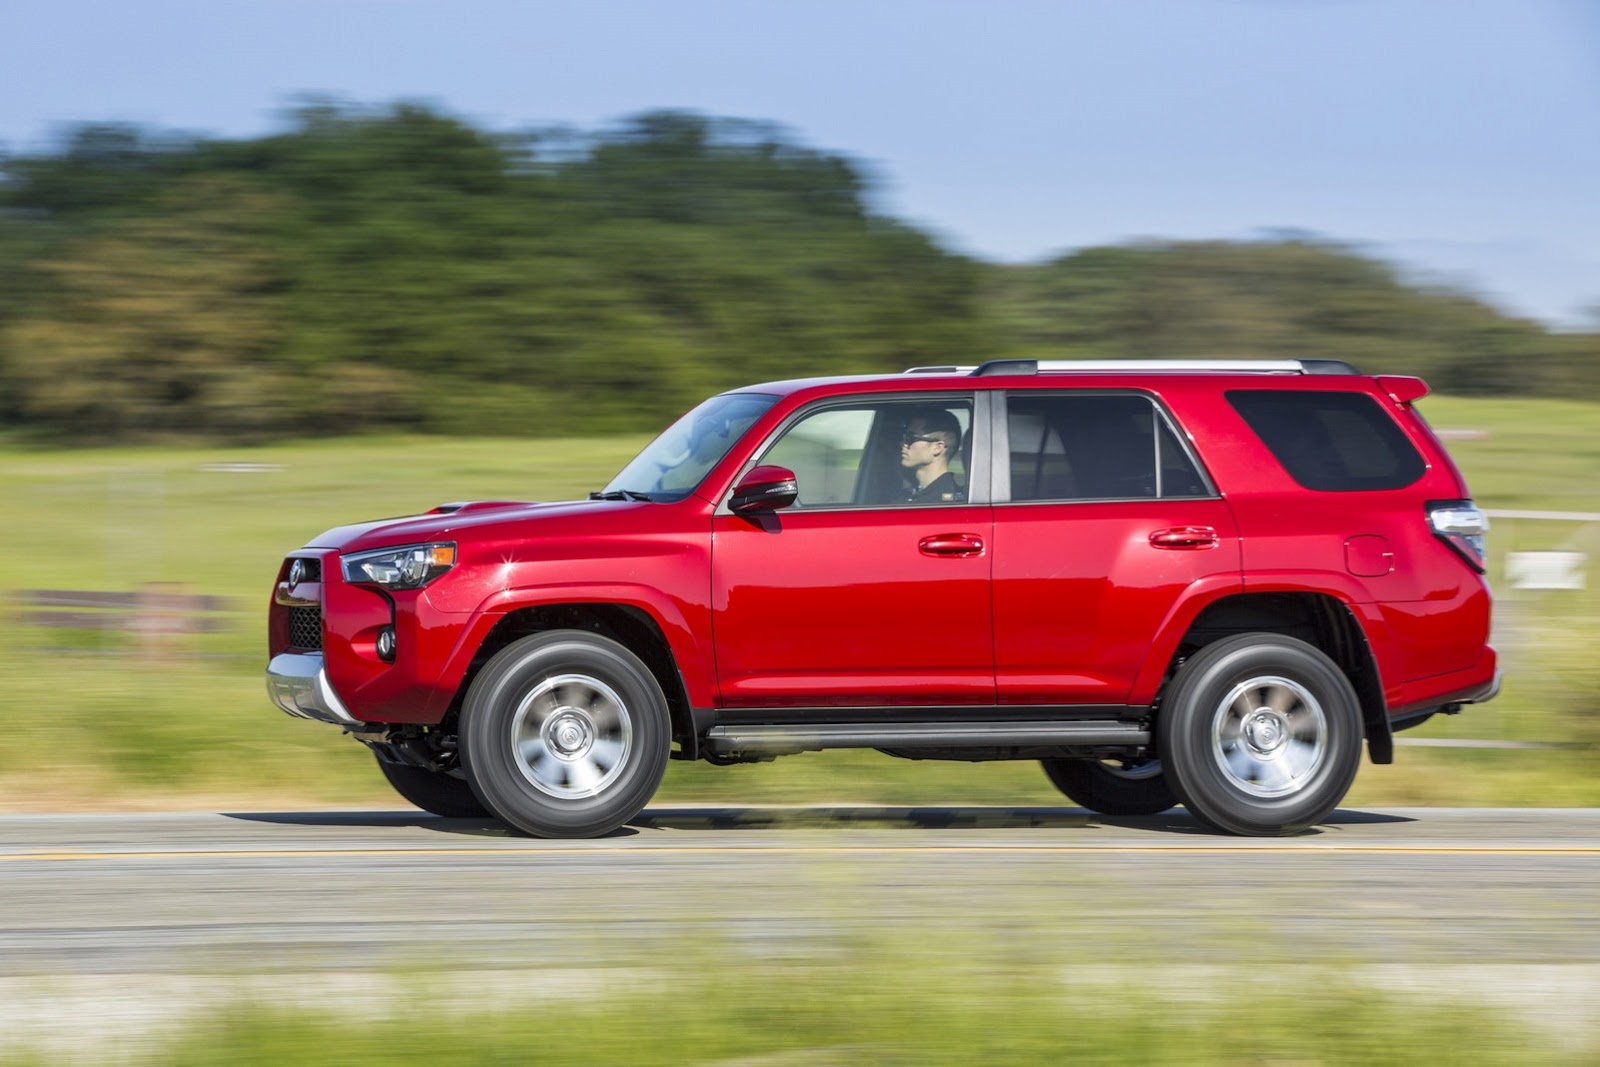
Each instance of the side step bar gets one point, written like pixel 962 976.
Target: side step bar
pixel 811 737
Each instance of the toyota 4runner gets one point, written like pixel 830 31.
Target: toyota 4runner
pixel 1169 582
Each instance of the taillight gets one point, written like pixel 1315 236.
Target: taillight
pixel 1463 526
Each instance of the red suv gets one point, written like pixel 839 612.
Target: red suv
pixel 1170 582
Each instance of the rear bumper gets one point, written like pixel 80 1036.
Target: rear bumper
pixel 297 683
pixel 1487 693
pixel 1475 686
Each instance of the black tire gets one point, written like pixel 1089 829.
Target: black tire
pixel 1123 787
pixel 565 734
pixel 436 791
pixel 1260 735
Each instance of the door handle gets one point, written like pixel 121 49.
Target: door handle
pixel 1186 537
pixel 951 544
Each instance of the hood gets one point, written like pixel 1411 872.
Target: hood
pixel 444 521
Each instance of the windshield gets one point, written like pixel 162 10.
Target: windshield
pixel 672 465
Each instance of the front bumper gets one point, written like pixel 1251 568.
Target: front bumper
pixel 297 683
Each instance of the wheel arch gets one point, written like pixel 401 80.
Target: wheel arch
pixel 629 625
pixel 1318 618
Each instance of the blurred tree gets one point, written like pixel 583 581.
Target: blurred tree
pixel 1292 297
pixel 159 326
pixel 394 266
pixel 101 168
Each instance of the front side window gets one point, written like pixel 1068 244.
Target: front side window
pixel 1089 446
pixel 879 453
pixel 674 463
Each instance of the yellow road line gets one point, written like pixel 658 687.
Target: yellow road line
pixel 829 850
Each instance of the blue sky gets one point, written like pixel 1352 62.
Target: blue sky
pixel 1460 138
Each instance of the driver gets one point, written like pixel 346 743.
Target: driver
pixel 931 437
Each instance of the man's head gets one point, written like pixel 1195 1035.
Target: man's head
pixel 931 437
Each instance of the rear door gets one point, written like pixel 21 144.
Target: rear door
pixel 1103 519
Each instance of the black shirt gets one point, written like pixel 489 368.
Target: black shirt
pixel 942 490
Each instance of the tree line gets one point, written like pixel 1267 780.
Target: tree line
pixel 396 268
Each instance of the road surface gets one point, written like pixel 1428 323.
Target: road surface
pixel 140 914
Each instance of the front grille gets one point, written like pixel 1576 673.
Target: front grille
pixel 312 568
pixel 305 627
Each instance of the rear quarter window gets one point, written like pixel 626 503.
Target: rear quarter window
pixel 1331 441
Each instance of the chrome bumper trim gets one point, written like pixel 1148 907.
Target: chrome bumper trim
pixel 297 683
pixel 1490 693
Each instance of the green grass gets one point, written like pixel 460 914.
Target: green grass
pixel 115 519
pixel 1536 454
pixel 776 1023
pixel 96 723
pixel 943 1002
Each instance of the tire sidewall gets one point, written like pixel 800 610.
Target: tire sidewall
pixel 1185 734
pixel 1090 784
pixel 438 792
pixel 488 752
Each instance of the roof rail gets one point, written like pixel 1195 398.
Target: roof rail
pixel 1007 366
pixel 1328 366
pixel 1230 366
pixel 1131 366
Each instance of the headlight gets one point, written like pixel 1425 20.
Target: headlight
pixel 411 567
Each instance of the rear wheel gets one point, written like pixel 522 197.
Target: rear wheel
pixel 565 734
pixel 1261 735
pixel 1113 787
pixel 437 791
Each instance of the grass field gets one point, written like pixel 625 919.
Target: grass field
pixel 100 722
pixel 1535 454
pixel 863 997
pixel 862 1009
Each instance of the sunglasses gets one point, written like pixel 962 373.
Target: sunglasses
pixel 909 438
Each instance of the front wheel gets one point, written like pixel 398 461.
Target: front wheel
pixel 436 791
pixel 1113 787
pixel 565 734
pixel 1260 734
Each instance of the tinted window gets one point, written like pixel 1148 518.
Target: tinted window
pixel 878 453
pixel 1335 442
pixel 1095 447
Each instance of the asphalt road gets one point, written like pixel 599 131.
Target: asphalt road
pixel 164 903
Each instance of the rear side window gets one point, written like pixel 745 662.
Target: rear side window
pixel 1334 442
pixel 1085 446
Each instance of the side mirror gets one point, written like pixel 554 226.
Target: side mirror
pixel 764 488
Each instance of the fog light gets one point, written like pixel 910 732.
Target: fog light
pixel 386 644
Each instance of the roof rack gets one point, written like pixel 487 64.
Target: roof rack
pixel 1136 366
pixel 1230 366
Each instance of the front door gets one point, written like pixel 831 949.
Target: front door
pixel 873 589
